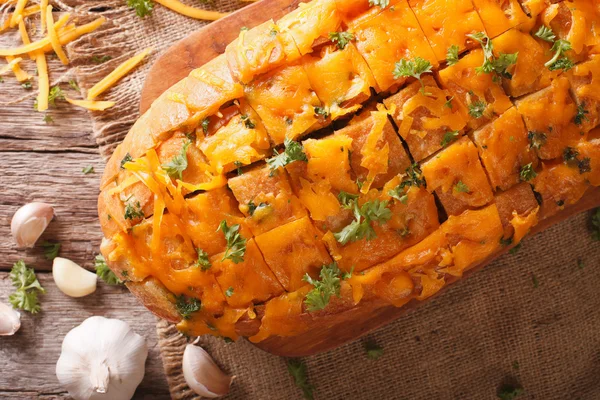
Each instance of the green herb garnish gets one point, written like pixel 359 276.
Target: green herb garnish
pixel 88 170
pixel 202 262
pixel 581 114
pixel 178 163
pixel 449 137
pixel 461 187
pixel 247 121
pixel 50 250
pixel 142 7
pixel 413 68
pixel 104 272
pixel 536 139
pixel 373 350
pixel 527 172
pixel 341 39
pixel 133 211
pixel 452 55
pixel 380 3
pixel 546 34
pixel 328 285
pixel 236 243
pixel 187 305
pixel 297 370
pixel 360 228
pixel 293 152
pixel 477 109
pixel 27 288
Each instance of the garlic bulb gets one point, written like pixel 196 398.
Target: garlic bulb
pixel 202 375
pixel 29 222
pixel 71 279
pixel 10 320
pixel 102 359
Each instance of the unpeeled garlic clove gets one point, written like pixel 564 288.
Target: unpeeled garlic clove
pixel 203 375
pixel 10 320
pixel 29 222
pixel 71 279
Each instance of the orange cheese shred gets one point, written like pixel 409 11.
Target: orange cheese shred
pixel 191 12
pixel 91 105
pixel 375 159
pixel 119 72
pixel 53 35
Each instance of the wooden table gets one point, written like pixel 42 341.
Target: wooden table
pixel 42 162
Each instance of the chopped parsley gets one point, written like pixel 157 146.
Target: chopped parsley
pixel 449 137
pixel 253 207
pixel 536 139
pixel 585 165
pixel 380 3
pixel 55 93
pixel 414 177
pixel 51 250
pixel 341 38
pixel 452 55
pixel 202 262
pixel 297 370
pixel 178 163
pixel 360 227
pixel 88 170
pixel 293 152
pixel 461 187
pixel 570 154
pixel 328 285
pixel 477 109
pixel 247 121
pixel 399 194
pixel 238 167
pixel 509 392
pixel 492 64
pixel 546 34
pixel 449 103
pixel 373 350
pixel 229 291
pixel 581 114
pixel 236 243
pixel 48 119
pixel 527 172
pixel 204 124
pixel 595 224
pixel 133 211
pixel 100 59
pixel 515 249
pixel 321 111
pixel 412 68
pixel 187 305
pixel 27 85
pixel 142 7
pixel 27 287
pixel 104 272
pixel 559 60
pixel 125 160
pixel 74 85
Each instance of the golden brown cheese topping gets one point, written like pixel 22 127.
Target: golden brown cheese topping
pixel 268 193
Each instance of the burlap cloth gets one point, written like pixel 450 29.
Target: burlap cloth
pixel 532 318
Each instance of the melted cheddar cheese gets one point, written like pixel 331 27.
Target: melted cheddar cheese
pixel 498 16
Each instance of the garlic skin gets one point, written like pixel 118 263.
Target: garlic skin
pixel 10 320
pixel 29 222
pixel 203 375
pixel 102 359
pixel 71 279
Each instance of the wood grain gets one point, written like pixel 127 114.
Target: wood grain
pixel 205 44
pixel 35 348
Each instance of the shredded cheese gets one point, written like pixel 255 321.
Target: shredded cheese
pixel 54 37
pixel 91 104
pixel 10 65
pixel 43 81
pixel 43 6
pixel 14 19
pixel 119 72
pixel 191 12
pixel 65 37
pixel 26 12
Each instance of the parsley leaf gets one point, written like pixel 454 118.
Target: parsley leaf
pixel 88 170
pixel 546 34
pixel 559 60
pixel 399 194
pixel 27 288
pixel 178 163
pixel 449 137
pixel 527 172
pixel 452 55
pixel 412 68
pixel 236 243
pixel 585 165
pixel 509 392
pixel 321 111
pixel 125 160
pixel 491 63
pixel 74 85
pixel 414 177
pixel 297 370
pixel 536 139
pixel 380 3
pixel 100 59
pixel 205 123
pixel 50 250
pixel 55 93
pixel 595 223
pixel 187 305
pixel 142 7
pixel 581 114
pixel 341 38
pixel 461 187
pixel 570 154
pixel 373 350
pixel 229 291
pixel 133 211
pixel 293 152
pixel 360 227
pixel 477 109
pixel 203 262
pixel 253 207
pixel 104 272
pixel 328 285
pixel 247 122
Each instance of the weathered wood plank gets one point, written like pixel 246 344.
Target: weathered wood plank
pixel 56 179
pixel 29 357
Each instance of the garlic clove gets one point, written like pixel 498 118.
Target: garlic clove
pixel 29 222
pixel 102 358
pixel 203 375
pixel 71 279
pixel 10 320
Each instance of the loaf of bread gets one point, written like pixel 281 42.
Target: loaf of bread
pixel 353 155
